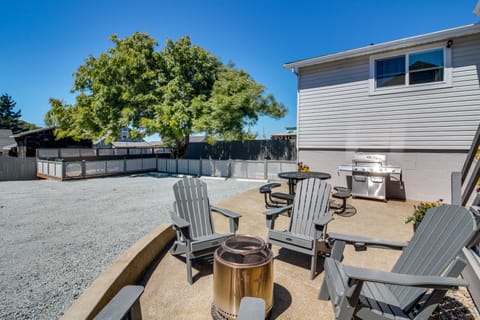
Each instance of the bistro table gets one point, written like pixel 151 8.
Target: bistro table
pixel 294 176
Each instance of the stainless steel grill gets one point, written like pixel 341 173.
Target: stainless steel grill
pixel 370 174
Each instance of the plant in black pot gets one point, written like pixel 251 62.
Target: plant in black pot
pixel 417 216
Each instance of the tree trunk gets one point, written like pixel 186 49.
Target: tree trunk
pixel 181 147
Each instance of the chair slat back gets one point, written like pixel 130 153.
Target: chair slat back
pixel 192 204
pixel 442 234
pixel 311 202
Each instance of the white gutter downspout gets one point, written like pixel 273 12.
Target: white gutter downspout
pixel 296 73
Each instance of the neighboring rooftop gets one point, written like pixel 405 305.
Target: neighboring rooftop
pixel 30 132
pixel 198 139
pixel 289 134
pixel 131 144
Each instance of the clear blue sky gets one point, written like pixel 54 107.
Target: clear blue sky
pixel 44 42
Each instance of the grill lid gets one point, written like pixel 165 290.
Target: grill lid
pixel 369 159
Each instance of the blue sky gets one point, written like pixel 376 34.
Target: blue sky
pixel 44 42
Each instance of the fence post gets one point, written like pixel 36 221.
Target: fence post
pixel 214 168
pixel 265 169
pixel 176 165
pixel 229 167
pixel 63 169
pixel 201 166
pixel 84 168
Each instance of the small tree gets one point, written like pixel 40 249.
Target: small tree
pixel 10 119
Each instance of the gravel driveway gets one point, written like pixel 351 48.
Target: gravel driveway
pixel 57 237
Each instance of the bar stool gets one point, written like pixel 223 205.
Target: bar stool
pixel 343 209
pixel 275 199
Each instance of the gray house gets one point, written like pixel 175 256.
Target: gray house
pixel 415 100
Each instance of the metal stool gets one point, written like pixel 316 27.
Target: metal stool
pixel 343 209
pixel 275 199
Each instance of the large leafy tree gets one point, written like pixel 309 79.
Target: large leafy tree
pixel 188 74
pixel 114 91
pixel 236 102
pixel 175 92
pixel 10 119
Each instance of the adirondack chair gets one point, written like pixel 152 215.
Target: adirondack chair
pixel 193 222
pixel 309 217
pixel 428 266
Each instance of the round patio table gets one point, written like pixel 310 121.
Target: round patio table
pixel 294 176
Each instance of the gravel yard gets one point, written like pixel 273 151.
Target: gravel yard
pixel 57 237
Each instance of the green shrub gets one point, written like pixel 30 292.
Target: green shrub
pixel 420 211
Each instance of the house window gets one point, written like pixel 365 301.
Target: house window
pixel 390 71
pixel 424 68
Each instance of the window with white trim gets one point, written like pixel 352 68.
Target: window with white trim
pixel 427 67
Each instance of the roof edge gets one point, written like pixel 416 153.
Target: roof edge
pixel 25 133
pixel 386 46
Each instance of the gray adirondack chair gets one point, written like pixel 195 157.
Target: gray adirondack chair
pixel 428 266
pixel 192 220
pixel 309 217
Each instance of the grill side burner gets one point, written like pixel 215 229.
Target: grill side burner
pixel 242 266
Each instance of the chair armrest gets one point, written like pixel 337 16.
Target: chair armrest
pixel 234 217
pixel 277 211
pixel 272 215
pixel 406 280
pixel 225 212
pixel 179 222
pixel 123 303
pixel 181 225
pixel 321 226
pixel 359 241
pixel 322 221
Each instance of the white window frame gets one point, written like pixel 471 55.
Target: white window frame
pixel 447 72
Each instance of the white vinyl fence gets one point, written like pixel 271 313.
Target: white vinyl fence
pixel 65 170
pixel 248 169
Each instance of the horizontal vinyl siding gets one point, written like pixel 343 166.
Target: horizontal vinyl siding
pixel 336 110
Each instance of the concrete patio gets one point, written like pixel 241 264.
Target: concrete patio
pixel 167 292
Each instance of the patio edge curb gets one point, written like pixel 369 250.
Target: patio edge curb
pixel 125 270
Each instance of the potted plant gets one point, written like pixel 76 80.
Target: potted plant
pixel 302 167
pixel 419 213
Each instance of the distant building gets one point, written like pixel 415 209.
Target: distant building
pixel 131 144
pixel 7 143
pixel 290 134
pixel 123 141
pixel 28 142
pixel 194 139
